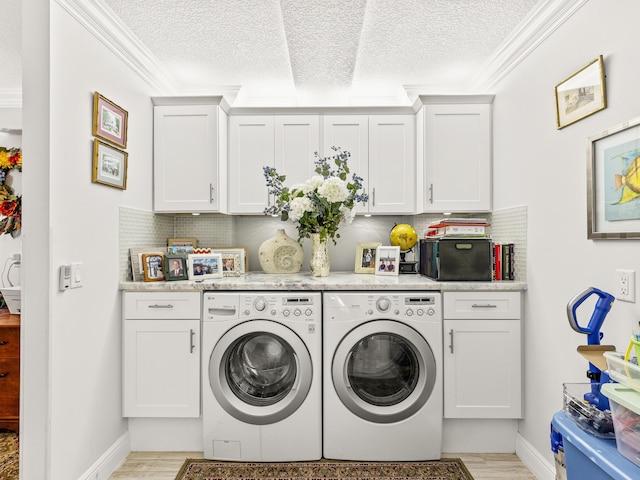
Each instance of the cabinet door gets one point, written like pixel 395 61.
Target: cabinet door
pixel 482 369
pixel 391 164
pixel 185 159
pixel 349 133
pixel 457 151
pixel 161 368
pixel 251 147
pixel 297 139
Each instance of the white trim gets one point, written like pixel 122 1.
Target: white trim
pixel 110 460
pixel 532 31
pixel 534 460
pixel 11 98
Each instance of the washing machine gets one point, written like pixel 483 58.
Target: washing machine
pixel 262 387
pixel 382 361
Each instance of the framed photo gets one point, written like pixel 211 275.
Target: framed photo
pixel 613 183
pixel 581 94
pixel 137 272
pixel 109 165
pixel 366 257
pixel 186 249
pixel 182 242
pixel 153 267
pixel 232 261
pixel 246 254
pixel 109 121
pixel 205 266
pixel 175 267
pixel 387 260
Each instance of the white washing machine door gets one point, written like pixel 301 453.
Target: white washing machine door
pixel 260 372
pixel 383 371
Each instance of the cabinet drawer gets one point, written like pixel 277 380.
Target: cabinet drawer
pixel 162 305
pixel 482 305
pixel 9 376
pixel 10 342
pixel 9 406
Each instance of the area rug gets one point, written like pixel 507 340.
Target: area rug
pixel 9 458
pixel 445 469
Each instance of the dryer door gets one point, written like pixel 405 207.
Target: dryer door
pixel 260 372
pixel 384 371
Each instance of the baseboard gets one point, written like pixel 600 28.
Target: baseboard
pixel 110 460
pixel 534 460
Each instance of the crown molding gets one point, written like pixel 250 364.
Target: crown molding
pixel 11 98
pixel 532 31
pixel 103 24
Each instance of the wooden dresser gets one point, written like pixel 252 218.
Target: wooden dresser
pixel 9 371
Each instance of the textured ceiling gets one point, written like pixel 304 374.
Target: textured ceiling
pixel 307 51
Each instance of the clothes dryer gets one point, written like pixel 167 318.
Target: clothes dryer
pixel 261 384
pixel 382 395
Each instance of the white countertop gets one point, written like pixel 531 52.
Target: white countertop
pixel 335 281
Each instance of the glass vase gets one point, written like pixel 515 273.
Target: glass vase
pixel 319 261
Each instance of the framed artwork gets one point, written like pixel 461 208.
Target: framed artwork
pixel 186 249
pixel 109 121
pixel 137 273
pixel 232 261
pixel 581 94
pixel 387 260
pixel 204 266
pixel 182 242
pixel 153 267
pixel 613 182
pixel 246 254
pixel 109 165
pixel 366 257
pixel 175 267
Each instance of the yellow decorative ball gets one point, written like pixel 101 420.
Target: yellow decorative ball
pixel 403 236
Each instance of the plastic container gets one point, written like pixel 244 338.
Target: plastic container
pixel 585 415
pixel 622 371
pixel 12 297
pixel 625 407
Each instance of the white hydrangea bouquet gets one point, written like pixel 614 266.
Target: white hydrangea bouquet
pixel 321 203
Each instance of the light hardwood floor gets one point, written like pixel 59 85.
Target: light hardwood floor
pixel 165 466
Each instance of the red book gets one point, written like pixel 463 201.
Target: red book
pixel 497 256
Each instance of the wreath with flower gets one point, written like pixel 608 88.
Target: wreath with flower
pixel 10 204
pixel 321 203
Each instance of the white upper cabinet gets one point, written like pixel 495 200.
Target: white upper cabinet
pixel 189 155
pixel 454 154
pixel 286 142
pixel 382 153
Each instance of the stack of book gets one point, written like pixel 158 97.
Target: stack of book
pixel 503 261
pixel 458 227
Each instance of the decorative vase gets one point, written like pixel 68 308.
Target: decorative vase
pixel 319 261
pixel 280 254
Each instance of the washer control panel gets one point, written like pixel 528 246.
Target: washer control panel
pixel 304 306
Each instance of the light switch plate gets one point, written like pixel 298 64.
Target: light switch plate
pixel 76 275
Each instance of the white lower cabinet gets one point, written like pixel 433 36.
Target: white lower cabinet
pixel 161 354
pixel 482 355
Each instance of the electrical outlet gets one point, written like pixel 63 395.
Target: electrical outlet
pixel 626 285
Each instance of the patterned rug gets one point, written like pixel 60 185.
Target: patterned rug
pixel 445 469
pixel 9 459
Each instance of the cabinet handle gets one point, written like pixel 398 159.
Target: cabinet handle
pixel 484 305
pixel 192 344
pixel 168 305
pixel 451 341
pixel 4 374
pixel 373 196
pixel 3 342
pixel 211 189
pixel 431 193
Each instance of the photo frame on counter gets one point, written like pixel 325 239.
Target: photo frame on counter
pixel 110 121
pixel 387 260
pixel 581 94
pixel 245 258
pixel 109 165
pixel 182 242
pixel 613 203
pixel 153 267
pixel 366 257
pixel 204 266
pixel 135 254
pixel 232 261
pixel 175 267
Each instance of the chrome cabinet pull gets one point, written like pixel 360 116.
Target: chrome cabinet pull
pixel 211 189
pixel 4 374
pixel 3 342
pixel 485 305
pixel 431 193
pixel 191 340
pixel 373 196
pixel 168 305
pixel 451 341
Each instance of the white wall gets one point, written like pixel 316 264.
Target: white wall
pixel 72 339
pixel 544 168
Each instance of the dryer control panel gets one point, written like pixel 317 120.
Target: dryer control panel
pixel 418 305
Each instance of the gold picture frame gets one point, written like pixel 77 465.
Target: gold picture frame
pixel 581 94
pixel 366 257
pixel 110 122
pixel 109 165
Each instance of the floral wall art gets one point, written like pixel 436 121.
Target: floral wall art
pixel 10 203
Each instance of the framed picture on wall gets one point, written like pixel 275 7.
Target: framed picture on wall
pixel 613 185
pixel 109 165
pixel 205 266
pixel 110 121
pixel 366 257
pixel 581 94
pixel 387 260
